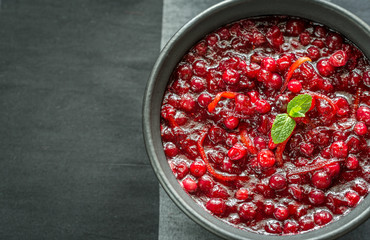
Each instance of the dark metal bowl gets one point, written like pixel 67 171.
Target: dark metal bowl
pixel 326 13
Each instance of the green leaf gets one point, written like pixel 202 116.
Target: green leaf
pixel 299 105
pixel 282 128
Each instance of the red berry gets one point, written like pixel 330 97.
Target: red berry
pixel 269 208
pixel 204 99
pixel 363 114
pixel 230 76
pixel 275 81
pixel 322 217
pixel 281 213
pixel 321 179
pixel 360 128
pixel 197 84
pixel 316 197
pixel 184 72
pixel 352 198
pixel 291 226
pixel 262 106
pixel 339 149
pixel 243 194
pixel 351 163
pixel 231 122
pixel 338 59
pixel 248 211
pixel 324 68
pixel 206 183
pixel 198 168
pixel 269 64
pixel 277 181
pixel 170 149
pixel 199 68
pixel 334 41
pixel 189 185
pixel 266 158
pixel 273 226
pixel 294 27
pixel 237 152
pixel 216 206
pixel 306 223
pixel 295 86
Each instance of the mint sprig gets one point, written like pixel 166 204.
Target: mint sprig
pixel 284 123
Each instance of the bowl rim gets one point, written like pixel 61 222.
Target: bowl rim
pixel 160 75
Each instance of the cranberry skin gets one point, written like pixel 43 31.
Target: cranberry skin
pixel 306 223
pixel 217 206
pixel 351 163
pixel 363 114
pixel 333 169
pixel 230 76
pixel 198 169
pixel 243 194
pixel 185 72
pixel 273 226
pixel 259 143
pixel 361 188
pixel 305 38
pixel 216 134
pixel 291 226
pixel 252 70
pixel 206 183
pixel 324 68
pixel 189 185
pixel 204 99
pixel 352 198
pixel 262 106
pixel 248 211
pixel 266 158
pixel 281 213
pixel 242 103
pixel 277 182
pixel 339 149
pixel 321 179
pixel 170 149
pixel 231 122
pixel 296 191
pixel 313 53
pixel 316 197
pixel 322 217
pixel 275 81
pixel 197 84
pixel 338 59
pixel 269 64
pixel 269 208
pixel 307 149
pixel 187 103
pixel 334 41
pixel 295 27
pixel 360 128
pixel 199 68
pixel 181 170
pixel 231 139
pixel 264 76
pixel 237 152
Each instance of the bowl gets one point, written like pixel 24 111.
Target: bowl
pixel 223 13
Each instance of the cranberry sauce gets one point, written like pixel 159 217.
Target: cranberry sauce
pixel 218 111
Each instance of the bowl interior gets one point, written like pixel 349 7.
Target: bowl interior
pixel 226 12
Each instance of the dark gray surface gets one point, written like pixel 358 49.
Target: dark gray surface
pixel 72 160
pixel 174 224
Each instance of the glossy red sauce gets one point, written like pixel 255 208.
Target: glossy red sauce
pixel 225 158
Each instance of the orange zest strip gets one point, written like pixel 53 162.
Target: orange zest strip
pixel 210 169
pixel 320 96
pixel 279 152
pixel 356 102
pixel 218 97
pixel 247 142
pixel 314 167
pixel 292 68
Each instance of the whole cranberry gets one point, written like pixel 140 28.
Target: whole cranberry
pixel 352 198
pixel 277 181
pixel 313 53
pixel 296 191
pixel 204 99
pixel 273 226
pixel 334 41
pixel 243 194
pixel 216 134
pixel 360 128
pixel 252 70
pixel 231 139
pixel 187 103
pixel 185 72
pixel 189 185
pixel 307 149
pixel 316 197
pixel 351 162
pixel 322 217
pixel 198 168
pixel 281 213
pixel 237 152
pixel 275 81
pixel 305 38
pixel 199 68
pixel 219 191
pixel 366 78
pixel 170 149
pixel 181 170
pixel 206 183
pixel 262 106
pixel 266 158
pixel 269 64
pixel 295 86
pixel 321 179
pixel 333 169
pixel 339 149
pixel 306 223
pixel 231 122
pixel 269 208
pixel 325 68
pixel 230 76
pixel 291 226
pixel 247 211
pixel 284 62
pixel 363 114
pixel 259 143
pixel 264 76
pixel 338 59
pixel 216 206
pixel 294 27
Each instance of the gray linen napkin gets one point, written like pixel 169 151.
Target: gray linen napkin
pixel 173 223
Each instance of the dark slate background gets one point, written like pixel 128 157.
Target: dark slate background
pixel 72 78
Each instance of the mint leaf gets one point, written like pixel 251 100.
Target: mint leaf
pixel 282 128
pixel 299 105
